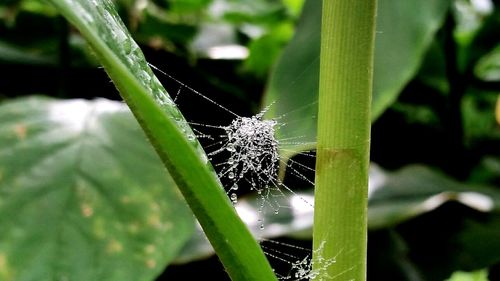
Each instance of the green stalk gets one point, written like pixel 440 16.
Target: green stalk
pixel 341 193
pixel 173 140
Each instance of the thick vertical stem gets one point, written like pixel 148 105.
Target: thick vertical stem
pixel 347 43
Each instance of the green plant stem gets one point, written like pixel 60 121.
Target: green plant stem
pixel 166 128
pixel 347 42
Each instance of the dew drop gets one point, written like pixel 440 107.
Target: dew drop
pixel 234 198
pixel 230 175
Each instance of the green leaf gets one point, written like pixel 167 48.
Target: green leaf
pixel 480 275
pixel 83 196
pixel 265 49
pixel 415 190
pixel 394 198
pixel 479 125
pixel 257 11
pixel 488 67
pixel 294 82
pixel 477 253
pixel 155 24
pixel 484 41
pixel 15 54
pixel 183 6
pixel 405 30
pixel 171 136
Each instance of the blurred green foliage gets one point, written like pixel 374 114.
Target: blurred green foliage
pixel 438 67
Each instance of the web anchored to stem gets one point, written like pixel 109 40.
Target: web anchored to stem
pixel 249 151
pixel 246 154
pixel 253 156
pixel 302 268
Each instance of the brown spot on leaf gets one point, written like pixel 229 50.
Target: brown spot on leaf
pixel 154 221
pixel 20 130
pixel 150 263
pixel 86 210
pixel 5 271
pixel 114 247
pixel 149 249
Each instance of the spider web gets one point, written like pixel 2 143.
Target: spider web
pixel 246 155
pixel 247 151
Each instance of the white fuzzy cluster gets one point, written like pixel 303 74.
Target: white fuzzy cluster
pixel 253 151
pixel 308 269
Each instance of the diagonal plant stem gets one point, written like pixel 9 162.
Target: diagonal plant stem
pixel 340 219
pixel 170 135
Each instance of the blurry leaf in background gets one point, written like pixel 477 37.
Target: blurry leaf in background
pixel 295 220
pixel 9 9
pixel 293 83
pixel 262 27
pixel 183 6
pixel 480 275
pixel 432 72
pixel 212 36
pixel 16 54
pixel 28 36
pixel 265 49
pixel 156 25
pixel 197 27
pixel 469 16
pixel 31 33
pixel 487 171
pixel 478 242
pixel 478 109
pixel 445 225
pixel 294 6
pixel 481 42
pixel 488 67
pixel 163 24
pixel 394 198
pixel 249 11
pixel 405 30
pixel 83 196
pixel 415 190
